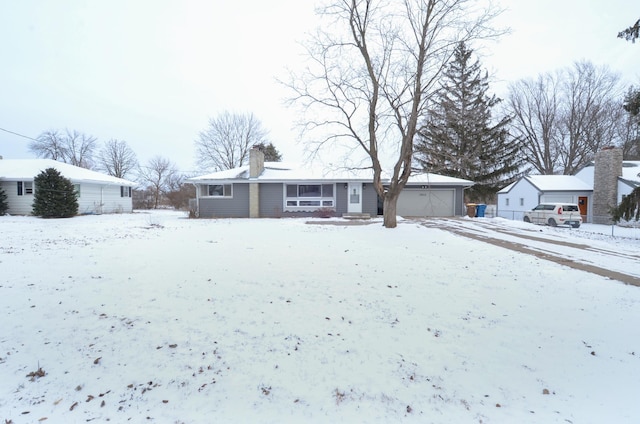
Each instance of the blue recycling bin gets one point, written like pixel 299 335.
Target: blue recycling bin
pixel 480 210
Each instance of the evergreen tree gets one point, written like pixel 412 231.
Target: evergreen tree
pixel 54 195
pixel 629 208
pixel 4 206
pixel 459 137
pixel 271 154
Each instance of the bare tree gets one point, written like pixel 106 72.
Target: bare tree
pixel 71 147
pixel 80 149
pixel 117 159
pixel 590 94
pixel 226 142
pixel 567 116
pixel 50 145
pixel 535 107
pixel 629 127
pixel 159 175
pixel 373 69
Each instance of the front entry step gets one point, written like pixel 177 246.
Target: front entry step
pixel 356 215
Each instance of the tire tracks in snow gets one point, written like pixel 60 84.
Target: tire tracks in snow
pixel 453 226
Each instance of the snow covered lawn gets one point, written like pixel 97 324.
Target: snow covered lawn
pixel 154 317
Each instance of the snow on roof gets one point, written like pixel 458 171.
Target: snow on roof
pixel 27 169
pixel 508 188
pixel 558 183
pixel 280 171
pixel 631 171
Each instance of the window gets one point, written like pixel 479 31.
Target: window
pixel 125 191
pixel 522 201
pixel 309 195
pixel 506 201
pixel 218 190
pixel 25 187
pixel 76 188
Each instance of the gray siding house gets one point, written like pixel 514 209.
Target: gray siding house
pixel 97 193
pixel 275 189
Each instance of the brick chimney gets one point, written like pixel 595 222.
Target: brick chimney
pixel 608 167
pixel 256 166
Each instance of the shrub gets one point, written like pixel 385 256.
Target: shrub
pixel 54 195
pixel 4 206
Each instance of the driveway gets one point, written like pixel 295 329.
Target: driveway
pixel 586 255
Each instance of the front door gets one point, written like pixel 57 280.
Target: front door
pixel 582 204
pixel 354 198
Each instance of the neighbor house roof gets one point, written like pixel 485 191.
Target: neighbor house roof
pixel 27 169
pixel 282 172
pixel 552 183
pixel 631 172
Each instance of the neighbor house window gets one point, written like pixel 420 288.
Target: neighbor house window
pixel 506 201
pixel 522 201
pixel 25 187
pixel 76 188
pixel 125 191
pixel 310 195
pixel 219 190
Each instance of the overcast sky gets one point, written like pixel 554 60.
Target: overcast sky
pixel 152 72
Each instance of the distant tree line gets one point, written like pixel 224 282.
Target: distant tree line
pixel 224 144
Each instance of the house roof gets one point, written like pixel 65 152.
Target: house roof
pixel 27 169
pixel 283 172
pixel 552 183
pixel 631 172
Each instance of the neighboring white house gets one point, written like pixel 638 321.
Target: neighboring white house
pixel 629 179
pixel 97 193
pixel 525 193
pixel 596 188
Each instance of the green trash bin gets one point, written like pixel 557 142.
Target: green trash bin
pixel 480 208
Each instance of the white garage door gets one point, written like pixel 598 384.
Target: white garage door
pixel 414 202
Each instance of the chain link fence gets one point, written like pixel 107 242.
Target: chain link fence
pixel 630 229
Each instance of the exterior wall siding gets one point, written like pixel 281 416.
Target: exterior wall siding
pixel 98 199
pixel 18 205
pixel 236 206
pixel 271 200
pixel 509 206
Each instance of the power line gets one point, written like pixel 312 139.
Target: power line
pixel 19 135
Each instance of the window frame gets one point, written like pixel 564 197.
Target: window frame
pixel 24 188
pixel 125 191
pixel 309 196
pixel 226 193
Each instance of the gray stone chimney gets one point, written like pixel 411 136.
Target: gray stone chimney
pixel 608 167
pixel 256 162
pixel 256 166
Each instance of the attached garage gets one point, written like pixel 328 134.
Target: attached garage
pixel 426 202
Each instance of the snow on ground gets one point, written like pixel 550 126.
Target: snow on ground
pixel 154 317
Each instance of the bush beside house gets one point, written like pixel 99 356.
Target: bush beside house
pixel 54 195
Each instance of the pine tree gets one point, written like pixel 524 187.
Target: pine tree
pixel 459 138
pixel 271 154
pixel 54 195
pixel 629 208
pixel 4 206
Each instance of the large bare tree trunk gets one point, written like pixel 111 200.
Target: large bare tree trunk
pixel 390 210
pixel 373 69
